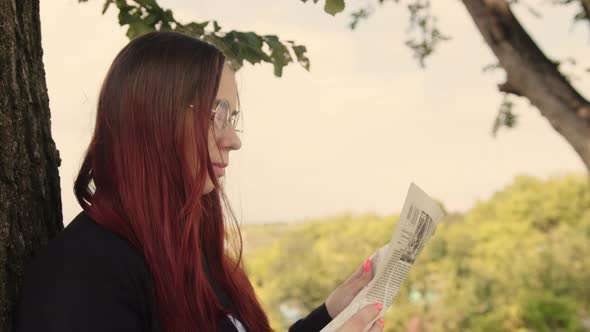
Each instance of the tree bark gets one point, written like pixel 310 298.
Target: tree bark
pixel 30 202
pixel 586 9
pixel 529 73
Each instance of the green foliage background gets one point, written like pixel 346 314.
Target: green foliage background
pixel 517 262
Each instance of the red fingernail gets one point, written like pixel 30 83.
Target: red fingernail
pixel 381 322
pixel 367 265
pixel 379 306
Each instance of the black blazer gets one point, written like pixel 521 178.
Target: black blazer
pixel 89 279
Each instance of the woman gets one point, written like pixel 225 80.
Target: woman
pixel 148 252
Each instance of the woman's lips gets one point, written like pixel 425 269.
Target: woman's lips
pixel 219 169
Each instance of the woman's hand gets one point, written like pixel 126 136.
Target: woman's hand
pixel 361 320
pixel 345 293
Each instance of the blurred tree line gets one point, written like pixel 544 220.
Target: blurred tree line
pixel 517 262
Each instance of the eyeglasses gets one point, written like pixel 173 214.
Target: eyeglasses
pixel 223 117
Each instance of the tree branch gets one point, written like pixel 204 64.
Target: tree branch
pixel 509 88
pixel 531 74
pixel 143 16
pixel 586 8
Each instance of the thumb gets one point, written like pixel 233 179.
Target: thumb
pixel 360 320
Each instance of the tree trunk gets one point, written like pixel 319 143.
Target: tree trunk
pixel 30 202
pixel 529 73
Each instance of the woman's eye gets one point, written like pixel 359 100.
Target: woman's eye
pixel 234 116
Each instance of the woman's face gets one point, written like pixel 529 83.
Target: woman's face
pixel 221 144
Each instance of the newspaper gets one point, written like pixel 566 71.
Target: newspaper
pixel 418 220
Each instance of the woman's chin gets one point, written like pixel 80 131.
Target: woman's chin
pixel 209 186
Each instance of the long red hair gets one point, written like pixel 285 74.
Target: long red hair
pixel 136 179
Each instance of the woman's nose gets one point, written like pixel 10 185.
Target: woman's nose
pixel 231 140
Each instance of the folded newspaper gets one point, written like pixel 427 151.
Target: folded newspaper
pixel 418 220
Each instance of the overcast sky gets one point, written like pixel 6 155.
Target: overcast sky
pixel 350 135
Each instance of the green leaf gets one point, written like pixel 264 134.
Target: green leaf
pixel 357 16
pixel 216 27
pixel 106 6
pixel 146 3
pixel 143 16
pixel 334 7
pixel 279 54
pixel 194 29
pixel 152 19
pixel 505 117
pixel 126 18
pixel 168 16
pixel 122 5
pixel 138 28
pixel 300 51
pixel 251 56
pixel 244 46
pixel 165 26
pixel 201 25
pixel 580 16
pixel 252 39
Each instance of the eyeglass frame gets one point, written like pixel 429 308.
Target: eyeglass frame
pixel 215 111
